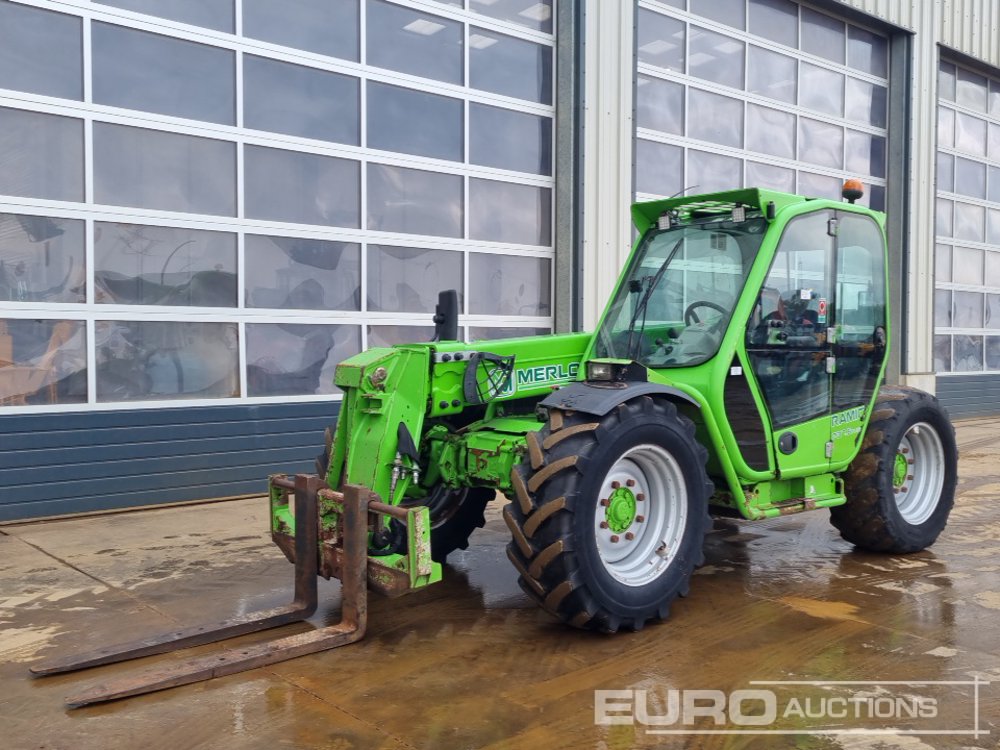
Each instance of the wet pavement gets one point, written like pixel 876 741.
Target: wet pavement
pixel 471 663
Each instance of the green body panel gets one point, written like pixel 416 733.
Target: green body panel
pixel 467 444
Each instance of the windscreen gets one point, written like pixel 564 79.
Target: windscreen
pixel 674 305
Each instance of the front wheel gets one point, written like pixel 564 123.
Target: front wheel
pixel 901 486
pixel 610 514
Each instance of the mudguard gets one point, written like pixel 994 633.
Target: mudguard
pixel 598 398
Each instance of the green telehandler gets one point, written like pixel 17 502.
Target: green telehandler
pixel 737 370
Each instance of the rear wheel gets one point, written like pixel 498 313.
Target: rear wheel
pixel 901 486
pixel 610 514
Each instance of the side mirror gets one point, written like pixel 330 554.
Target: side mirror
pixel 446 316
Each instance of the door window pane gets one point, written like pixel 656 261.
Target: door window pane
pixel 296 273
pixel 715 118
pixel 507 212
pixel 509 285
pixel 43 362
pixel 945 172
pixel 946 127
pixel 777 20
pixel 968 354
pixel 659 105
pixel 992 311
pixel 329 27
pixel 138 70
pixel 993 352
pixel 946 81
pixel 868 52
pixel 658 168
pixel 714 172
pixel 41 259
pixel 769 176
pixel 942 353
pixel 866 103
pixel 729 12
pixel 821 89
pixel 944 218
pixel 822 35
pixel 970 134
pixel 143 265
pixel 942 263
pixel 968 266
pixel 993 194
pixel 772 75
pixel 971 90
pixel 296 359
pixel 994 142
pixel 408 279
pixel 821 143
pixel 968 308
pixel 156 360
pixel 391 335
pixel 509 66
pixel 414 122
pixel 770 131
pixel 992 269
pixel 993 227
pixel 40 51
pixel 536 16
pixel 716 58
pixel 298 187
pixel 297 100
pixel 413 42
pixel 42 155
pixel 865 154
pixel 414 201
pixel 212 14
pixel 942 308
pixel 507 139
pixel 168 171
pixel 660 40
pixel 969 222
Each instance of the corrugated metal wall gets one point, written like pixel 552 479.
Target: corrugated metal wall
pixel 61 463
pixel 969 395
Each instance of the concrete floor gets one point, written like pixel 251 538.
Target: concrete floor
pixel 471 663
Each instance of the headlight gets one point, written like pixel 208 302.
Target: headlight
pixel 599 371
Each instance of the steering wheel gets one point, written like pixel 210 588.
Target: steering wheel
pixel 689 315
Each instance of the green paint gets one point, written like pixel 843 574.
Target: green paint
pixel 899 470
pixel 620 511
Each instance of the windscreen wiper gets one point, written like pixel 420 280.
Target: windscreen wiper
pixel 644 301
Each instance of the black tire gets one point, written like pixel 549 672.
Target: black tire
pixel 554 521
pixel 880 515
pixel 455 514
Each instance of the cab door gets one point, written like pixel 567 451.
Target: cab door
pixel 788 346
pixel 860 336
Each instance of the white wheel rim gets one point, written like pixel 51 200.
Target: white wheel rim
pixel 920 491
pixel 641 551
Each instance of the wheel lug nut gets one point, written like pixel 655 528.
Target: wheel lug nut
pixel 909 477
pixel 615 485
pixel 614 539
pixel 640 519
pixel 904 450
pixel 630 536
pixel 630 483
pixel 604 524
pixel 903 489
pixel 640 497
pixel 605 502
pixel 909 461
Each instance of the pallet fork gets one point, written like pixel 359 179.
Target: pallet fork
pixel 355 503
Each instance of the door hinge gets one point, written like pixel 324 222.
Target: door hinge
pixel 831 227
pixel 829 450
pixel 831 364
